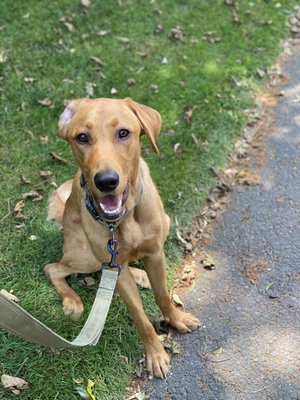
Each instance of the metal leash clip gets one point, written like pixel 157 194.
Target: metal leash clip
pixel 112 248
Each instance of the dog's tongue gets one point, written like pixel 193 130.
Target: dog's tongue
pixel 111 204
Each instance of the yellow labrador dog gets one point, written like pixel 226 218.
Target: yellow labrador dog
pixel 105 138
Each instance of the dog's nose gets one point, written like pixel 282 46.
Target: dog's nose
pixel 106 181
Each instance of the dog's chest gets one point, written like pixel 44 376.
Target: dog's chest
pixel 132 243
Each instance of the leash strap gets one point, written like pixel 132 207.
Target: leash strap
pixel 16 320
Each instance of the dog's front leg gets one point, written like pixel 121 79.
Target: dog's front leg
pixel 156 357
pixel 155 266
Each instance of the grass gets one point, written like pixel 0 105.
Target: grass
pixel 44 57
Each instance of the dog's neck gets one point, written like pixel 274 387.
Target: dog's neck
pixel 89 203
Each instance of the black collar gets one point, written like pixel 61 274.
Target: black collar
pixel 89 203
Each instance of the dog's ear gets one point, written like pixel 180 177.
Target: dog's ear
pixel 66 117
pixel 149 119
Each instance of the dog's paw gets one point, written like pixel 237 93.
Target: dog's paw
pixel 140 277
pixel 184 322
pixel 73 307
pixel 157 361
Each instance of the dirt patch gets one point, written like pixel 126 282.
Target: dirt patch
pixel 248 155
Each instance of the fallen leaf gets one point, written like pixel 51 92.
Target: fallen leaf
pixel 19 226
pixel 248 178
pixel 260 72
pixel 176 299
pixel 131 81
pixel 35 196
pixel 3 57
pixel 89 88
pixel 46 174
pixel 29 80
pixel 13 383
pixel 33 237
pixel 188 115
pixel 208 262
pixel 24 180
pixel 172 345
pixel 103 33
pixel 89 389
pixel 176 147
pixel 19 206
pixel 58 158
pixel 82 392
pixel 140 396
pixel 86 3
pixel 44 139
pixel 153 88
pixel 9 295
pixel 159 28
pixel 69 26
pixel 22 216
pixel 45 102
pixel 176 33
pixel 123 39
pixel 97 61
pixel 88 281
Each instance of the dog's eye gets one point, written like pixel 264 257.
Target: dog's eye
pixel 82 138
pixel 123 133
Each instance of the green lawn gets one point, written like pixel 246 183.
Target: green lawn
pixel 192 62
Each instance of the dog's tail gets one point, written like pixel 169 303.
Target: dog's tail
pixel 57 202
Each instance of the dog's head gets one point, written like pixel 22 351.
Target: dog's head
pixel 105 138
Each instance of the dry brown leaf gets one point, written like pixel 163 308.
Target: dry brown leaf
pixel 103 33
pixel 176 33
pixel 24 180
pixel 35 196
pixel 86 3
pixel 22 216
pixel 13 383
pixel 89 88
pixel 3 57
pixel 29 80
pixel 46 174
pixel 176 147
pixel 188 115
pixel 208 262
pixel 58 158
pixel 69 26
pixel 123 39
pixel 176 299
pixel 260 72
pixel 248 178
pixel 44 139
pixel 46 102
pixel 131 81
pixel 19 206
pixel 97 61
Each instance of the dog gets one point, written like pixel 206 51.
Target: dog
pixel 104 135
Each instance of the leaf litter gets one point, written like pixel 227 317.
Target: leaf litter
pixel 14 384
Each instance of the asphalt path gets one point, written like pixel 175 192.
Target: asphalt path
pixel 249 345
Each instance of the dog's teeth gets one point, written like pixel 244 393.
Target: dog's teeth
pixel 109 212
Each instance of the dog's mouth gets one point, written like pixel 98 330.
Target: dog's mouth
pixel 112 206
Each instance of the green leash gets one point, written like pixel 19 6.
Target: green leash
pixel 18 321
